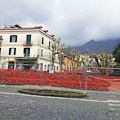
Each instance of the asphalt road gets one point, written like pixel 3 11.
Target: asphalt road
pixel 98 106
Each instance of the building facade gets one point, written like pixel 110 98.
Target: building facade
pixel 21 46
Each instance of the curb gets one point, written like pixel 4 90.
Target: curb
pixel 54 95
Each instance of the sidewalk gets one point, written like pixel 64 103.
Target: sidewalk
pixel 14 88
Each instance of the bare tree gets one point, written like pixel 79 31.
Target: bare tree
pixel 79 58
pixel 103 60
pixel 72 55
pixel 55 49
pixel 59 49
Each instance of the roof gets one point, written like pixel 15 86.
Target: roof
pixel 17 27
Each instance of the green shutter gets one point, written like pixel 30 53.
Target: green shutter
pixel 24 50
pixel 28 51
pixel 14 51
pixel 9 51
pixel 11 38
pixel 15 38
pixel 28 39
pixel 42 40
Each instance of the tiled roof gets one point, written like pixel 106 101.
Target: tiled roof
pixel 52 35
pixel 13 27
pixel 16 27
pixel 45 31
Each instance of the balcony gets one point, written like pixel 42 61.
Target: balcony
pixel 27 43
pixel 26 55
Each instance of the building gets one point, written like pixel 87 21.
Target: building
pixel 69 64
pixel 24 45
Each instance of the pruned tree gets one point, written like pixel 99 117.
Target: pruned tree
pixel 79 58
pixel 103 60
pixel 116 54
pixel 59 49
pixel 72 55
pixel 55 49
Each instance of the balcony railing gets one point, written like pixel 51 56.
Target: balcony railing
pixel 26 55
pixel 28 43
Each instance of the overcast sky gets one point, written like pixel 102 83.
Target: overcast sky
pixel 74 21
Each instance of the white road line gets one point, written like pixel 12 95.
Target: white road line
pixel 116 105
pixel 78 99
pixel 102 92
pixel 2 85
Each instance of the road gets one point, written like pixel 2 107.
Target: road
pixel 99 105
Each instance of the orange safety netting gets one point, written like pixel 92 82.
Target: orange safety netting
pixel 21 77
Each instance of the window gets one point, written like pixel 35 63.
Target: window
pixel 28 39
pixel 13 38
pixel 49 55
pixel 48 67
pixel 49 44
pixel 41 66
pixel 42 52
pixel 42 40
pixel 12 51
pixel 26 52
pixel 45 67
pixel 57 67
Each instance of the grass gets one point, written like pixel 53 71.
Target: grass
pixel 53 93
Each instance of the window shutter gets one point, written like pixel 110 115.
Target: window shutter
pixel 29 51
pixel 9 51
pixel 42 40
pixel 11 38
pixel 24 50
pixel 14 51
pixel 16 38
pixel 49 44
pixel 28 38
pixel 41 52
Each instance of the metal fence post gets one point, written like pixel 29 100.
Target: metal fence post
pixel 2 74
pixel 84 88
pixel 41 75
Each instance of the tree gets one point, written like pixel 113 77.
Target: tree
pixel 57 49
pixel 116 53
pixel 80 58
pixel 103 60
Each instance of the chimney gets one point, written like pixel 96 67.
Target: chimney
pixel 4 25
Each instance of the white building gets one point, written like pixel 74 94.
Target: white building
pixel 22 45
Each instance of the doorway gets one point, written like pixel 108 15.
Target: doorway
pixel 11 65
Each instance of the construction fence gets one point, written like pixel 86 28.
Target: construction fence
pixel 106 79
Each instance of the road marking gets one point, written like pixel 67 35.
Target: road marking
pixel 102 92
pixel 78 99
pixel 110 104
pixel 2 85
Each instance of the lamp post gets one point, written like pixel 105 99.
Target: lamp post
pixel 1 40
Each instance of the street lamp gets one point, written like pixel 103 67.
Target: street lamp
pixel 1 40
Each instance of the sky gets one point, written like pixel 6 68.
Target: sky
pixel 74 21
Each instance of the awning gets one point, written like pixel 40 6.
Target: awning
pixel 25 58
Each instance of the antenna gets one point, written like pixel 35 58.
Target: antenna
pixel 4 25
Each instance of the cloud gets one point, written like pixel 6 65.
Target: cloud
pixel 75 22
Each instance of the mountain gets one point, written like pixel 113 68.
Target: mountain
pixel 96 46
